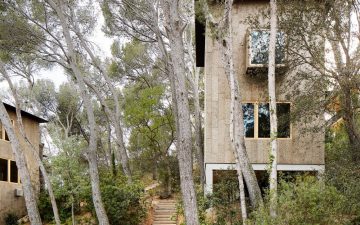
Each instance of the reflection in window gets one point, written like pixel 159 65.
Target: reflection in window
pixel 264 120
pixel 3 170
pixel 248 111
pixel 260 47
pixel 283 115
pixel 13 172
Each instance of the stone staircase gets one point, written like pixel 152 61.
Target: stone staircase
pixel 165 212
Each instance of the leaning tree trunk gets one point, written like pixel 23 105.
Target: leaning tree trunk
pixel 273 115
pixel 91 152
pixel 175 29
pixel 115 115
pixel 34 151
pixel 235 132
pixel 30 197
pixel 350 121
pixel 238 142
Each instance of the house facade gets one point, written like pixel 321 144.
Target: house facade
pixel 11 194
pixel 298 149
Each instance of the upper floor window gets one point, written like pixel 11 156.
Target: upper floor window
pixel 3 133
pixel 259 47
pixel 257 120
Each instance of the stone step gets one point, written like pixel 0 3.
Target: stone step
pixel 163 222
pixel 165 216
pixel 165 212
pixel 168 218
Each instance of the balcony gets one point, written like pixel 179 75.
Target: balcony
pixel 258 52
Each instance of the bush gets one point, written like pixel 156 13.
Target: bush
pixel 122 201
pixel 123 205
pixel 305 201
pixel 11 219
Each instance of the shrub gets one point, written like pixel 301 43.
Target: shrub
pixel 123 205
pixel 122 201
pixel 305 201
pixel 11 219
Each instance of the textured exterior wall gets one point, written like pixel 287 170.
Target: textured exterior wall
pixel 307 148
pixel 8 202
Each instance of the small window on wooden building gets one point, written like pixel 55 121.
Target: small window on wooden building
pixel 14 175
pixel 259 47
pixel 283 115
pixel 264 121
pixel 3 170
pixel 3 133
pixel 248 111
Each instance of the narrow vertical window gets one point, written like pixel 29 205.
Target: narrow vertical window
pixel 283 115
pixel 264 121
pixel 13 172
pixel 248 113
pixel 3 170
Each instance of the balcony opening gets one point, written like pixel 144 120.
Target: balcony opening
pixel 258 52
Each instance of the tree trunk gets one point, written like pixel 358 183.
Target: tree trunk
pixel 236 117
pixel 199 144
pixel 238 140
pixel 350 122
pixel 34 150
pixel 273 115
pixel 113 115
pixel 91 152
pixel 29 195
pixel 175 30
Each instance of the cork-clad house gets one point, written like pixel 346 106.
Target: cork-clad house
pixel 297 150
pixel 11 194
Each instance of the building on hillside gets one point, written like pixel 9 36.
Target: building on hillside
pixel 297 151
pixel 11 194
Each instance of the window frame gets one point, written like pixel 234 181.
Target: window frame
pixel 9 173
pixel 256 121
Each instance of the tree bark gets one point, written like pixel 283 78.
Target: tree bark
pixel 114 117
pixel 236 117
pixel 350 122
pixel 91 152
pixel 273 115
pixel 175 27
pixel 29 195
pixel 32 148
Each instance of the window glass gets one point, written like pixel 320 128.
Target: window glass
pixel 283 115
pixel 6 136
pixel 260 47
pixel 264 121
pixel 3 170
pixel 248 111
pixel 13 172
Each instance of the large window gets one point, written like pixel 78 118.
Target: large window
pixel 259 47
pixel 8 171
pixel 257 120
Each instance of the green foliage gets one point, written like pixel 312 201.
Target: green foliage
pixel 305 201
pixel 342 171
pixel 123 201
pixel 11 219
pixel 225 199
